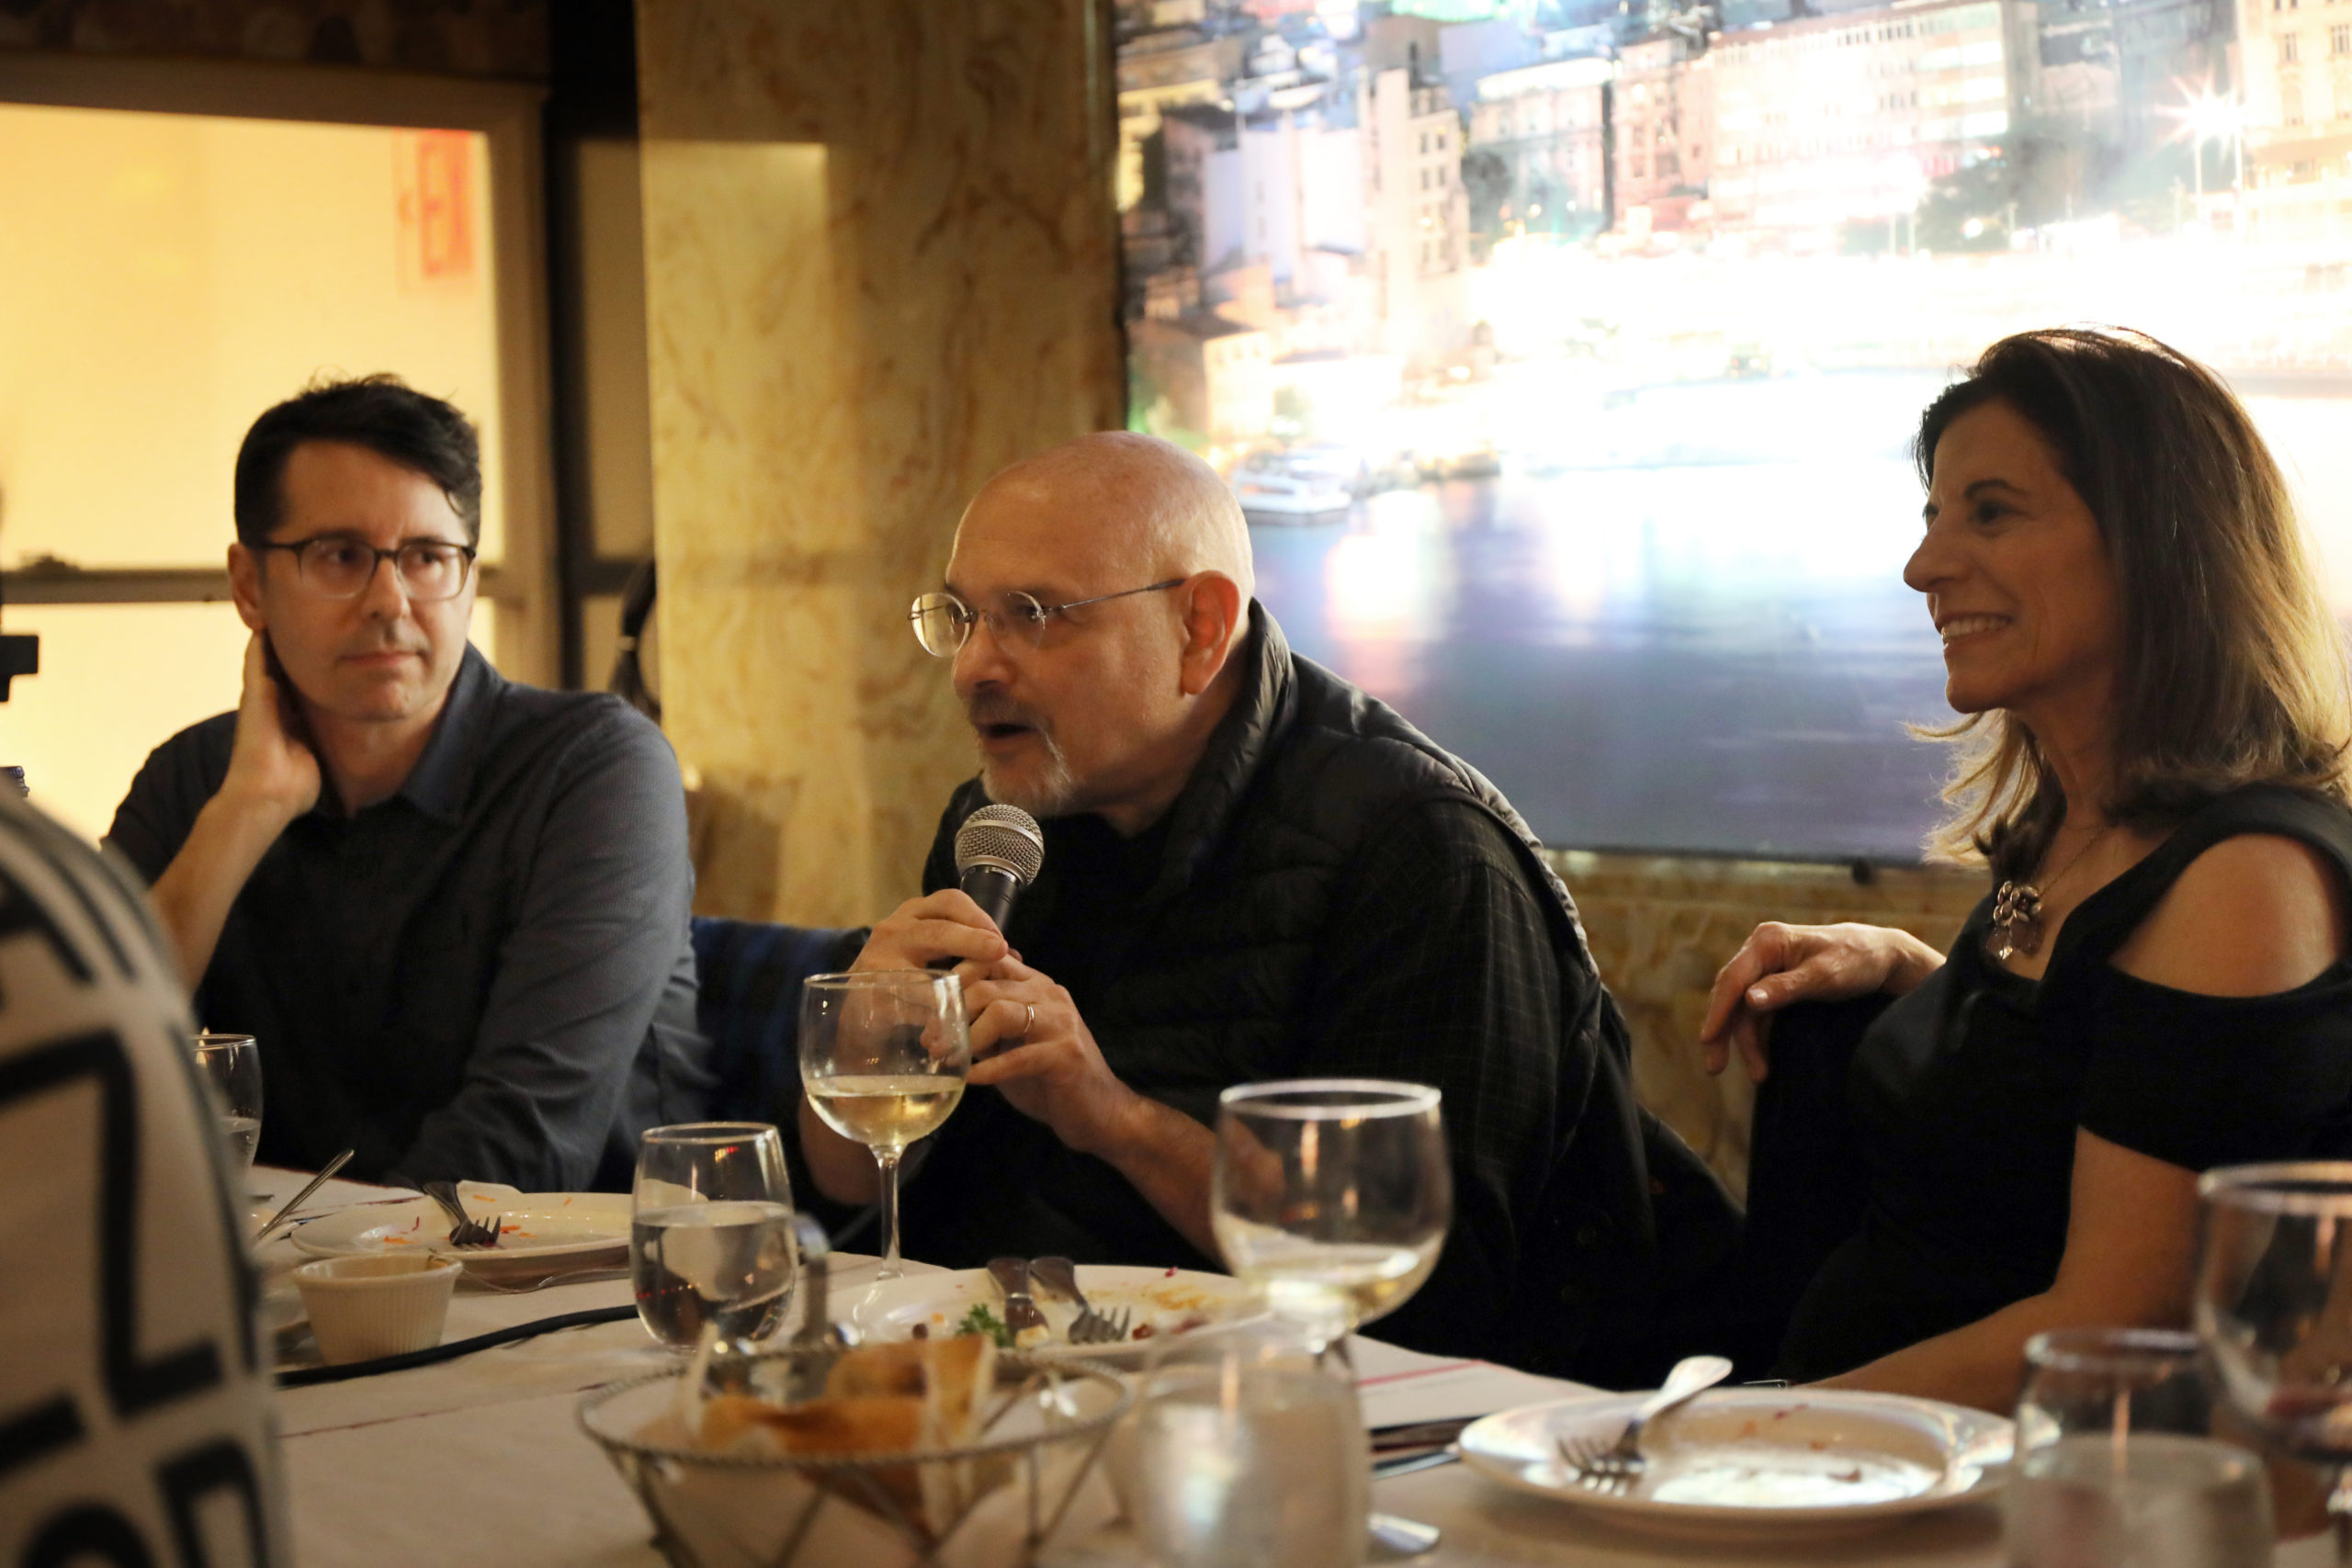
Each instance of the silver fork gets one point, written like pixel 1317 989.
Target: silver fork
pixel 1614 1467
pixel 1059 1275
pixel 465 1231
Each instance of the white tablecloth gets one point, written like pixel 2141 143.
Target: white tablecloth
pixel 480 1463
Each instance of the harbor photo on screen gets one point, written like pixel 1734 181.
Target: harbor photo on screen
pixel 1565 355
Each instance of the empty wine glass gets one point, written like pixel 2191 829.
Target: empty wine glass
pixel 2274 1309
pixel 710 1233
pixel 883 1055
pixel 231 1065
pixel 1332 1195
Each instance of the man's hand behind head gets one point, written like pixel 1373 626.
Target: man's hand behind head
pixel 946 924
pixel 272 768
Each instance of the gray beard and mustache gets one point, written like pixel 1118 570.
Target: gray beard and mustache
pixel 1048 794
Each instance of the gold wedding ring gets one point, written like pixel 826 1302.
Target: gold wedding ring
pixel 1029 1023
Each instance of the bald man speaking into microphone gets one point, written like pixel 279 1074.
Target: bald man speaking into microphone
pixel 1252 871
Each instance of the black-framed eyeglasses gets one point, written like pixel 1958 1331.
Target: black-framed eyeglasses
pixel 942 621
pixel 336 566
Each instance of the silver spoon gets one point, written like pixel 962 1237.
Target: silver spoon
pixel 295 1203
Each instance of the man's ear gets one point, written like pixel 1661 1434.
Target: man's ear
pixel 245 587
pixel 1211 606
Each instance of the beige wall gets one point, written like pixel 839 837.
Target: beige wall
pixel 167 276
pixel 880 264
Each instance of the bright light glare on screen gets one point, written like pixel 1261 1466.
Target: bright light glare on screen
pixel 1566 357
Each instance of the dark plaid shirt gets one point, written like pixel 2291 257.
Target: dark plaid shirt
pixel 1436 969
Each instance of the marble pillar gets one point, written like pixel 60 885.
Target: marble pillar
pixel 881 263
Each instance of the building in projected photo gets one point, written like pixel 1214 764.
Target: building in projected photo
pixel 1828 121
pixel 1660 100
pixel 1538 140
pixel 2295 120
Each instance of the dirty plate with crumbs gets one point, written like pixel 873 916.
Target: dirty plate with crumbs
pixel 1752 1463
pixel 539 1232
pixel 1163 1301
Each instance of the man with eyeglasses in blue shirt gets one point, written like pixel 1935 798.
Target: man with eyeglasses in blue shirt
pixel 452 908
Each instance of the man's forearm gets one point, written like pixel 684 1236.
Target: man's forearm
pixel 194 894
pixel 1167 1156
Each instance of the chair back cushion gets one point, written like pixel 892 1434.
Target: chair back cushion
pixel 750 1008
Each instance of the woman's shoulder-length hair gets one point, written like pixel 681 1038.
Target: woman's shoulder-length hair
pixel 2231 670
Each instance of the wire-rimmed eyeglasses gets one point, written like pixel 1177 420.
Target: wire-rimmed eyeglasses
pixel 336 566
pixel 941 620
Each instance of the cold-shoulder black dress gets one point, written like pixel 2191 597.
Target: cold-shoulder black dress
pixel 1965 1096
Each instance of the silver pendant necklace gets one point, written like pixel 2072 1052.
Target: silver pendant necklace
pixel 2017 909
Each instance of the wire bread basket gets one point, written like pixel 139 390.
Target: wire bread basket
pixel 1035 1475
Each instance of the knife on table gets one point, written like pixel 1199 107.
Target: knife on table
pixel 1021 1309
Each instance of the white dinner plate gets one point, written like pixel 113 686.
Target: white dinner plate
pixel 1166 1301
pixel 1741 1463
pixel 539 1232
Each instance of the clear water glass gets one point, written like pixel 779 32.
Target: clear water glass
pixel 231 1066
pixel 2117 1466
pixel 1247 1449
pixel 882 1055
pixel 1331 1196
pixel 2274 1309
pixel 711 1235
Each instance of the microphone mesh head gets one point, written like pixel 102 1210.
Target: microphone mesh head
pixel 1003 836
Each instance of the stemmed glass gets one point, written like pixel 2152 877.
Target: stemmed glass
pixel 2117 1466
pixel 1249 1448
pixel 231 1066
pixel 883 1055
pixel 1331 1196
pixel 2274 1309
pixel 710 1234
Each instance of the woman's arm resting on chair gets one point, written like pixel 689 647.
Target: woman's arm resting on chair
pixel 1779 964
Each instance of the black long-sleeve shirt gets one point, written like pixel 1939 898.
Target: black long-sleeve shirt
pixel 486 976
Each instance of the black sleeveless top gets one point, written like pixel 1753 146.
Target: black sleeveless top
pixel 1965 1096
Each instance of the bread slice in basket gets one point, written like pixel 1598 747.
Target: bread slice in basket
pixel 923 1396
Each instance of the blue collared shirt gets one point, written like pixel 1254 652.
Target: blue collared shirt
pixel 486 976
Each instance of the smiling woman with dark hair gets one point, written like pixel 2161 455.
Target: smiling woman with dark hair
pixel 2152 760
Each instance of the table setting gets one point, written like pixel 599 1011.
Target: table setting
pixel 687 1374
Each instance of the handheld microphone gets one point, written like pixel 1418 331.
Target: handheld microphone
pixel 999 852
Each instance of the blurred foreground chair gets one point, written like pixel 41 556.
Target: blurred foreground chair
pixel 750 1011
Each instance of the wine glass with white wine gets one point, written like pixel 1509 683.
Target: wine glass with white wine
pixel 1331 1196
pixel 883 1055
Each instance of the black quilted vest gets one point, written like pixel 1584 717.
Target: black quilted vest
pixel 1293 791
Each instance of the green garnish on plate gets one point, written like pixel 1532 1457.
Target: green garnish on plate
pixel 980 1320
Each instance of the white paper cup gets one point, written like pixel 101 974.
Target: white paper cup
pixel 362 1308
